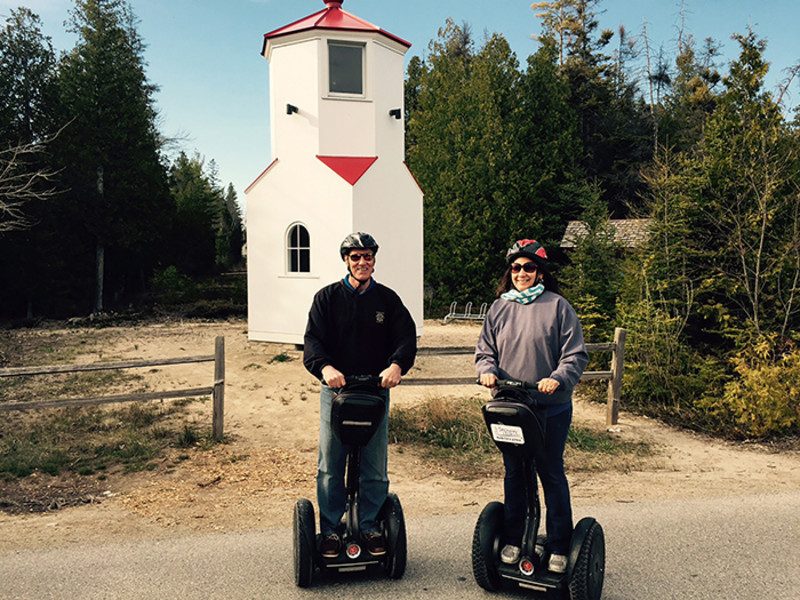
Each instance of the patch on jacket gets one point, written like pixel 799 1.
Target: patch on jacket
pixel 380 317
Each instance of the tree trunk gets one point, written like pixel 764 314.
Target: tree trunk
pixel 100 264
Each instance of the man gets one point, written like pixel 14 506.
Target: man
pixel 356 326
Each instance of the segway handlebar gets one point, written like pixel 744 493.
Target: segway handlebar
pixel 359 380
pixel 512 383
pixel 530 389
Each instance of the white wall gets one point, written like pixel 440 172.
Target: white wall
pixel 293 80
pixel 388 204
pixel 278 301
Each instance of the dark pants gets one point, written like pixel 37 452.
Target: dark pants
pixel 550 467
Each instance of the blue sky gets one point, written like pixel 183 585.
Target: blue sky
pixel 204 54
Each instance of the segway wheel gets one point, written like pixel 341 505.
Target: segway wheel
pixel 394 525
pixel 588 570
pixel 304 537
pixel 486 546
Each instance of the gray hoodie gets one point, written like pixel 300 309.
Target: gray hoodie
pixel 528 342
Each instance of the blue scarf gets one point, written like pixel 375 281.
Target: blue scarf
pixel 525 297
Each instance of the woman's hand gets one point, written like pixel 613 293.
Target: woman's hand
pixel 548 385
pixel 488 380
pixel 332 377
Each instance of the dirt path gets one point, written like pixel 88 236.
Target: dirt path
pixel 271 418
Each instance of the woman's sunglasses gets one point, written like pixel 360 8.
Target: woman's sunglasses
pixel 527 267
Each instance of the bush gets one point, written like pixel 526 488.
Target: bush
pixel 764 400
pixel 665 377
pixel 172 287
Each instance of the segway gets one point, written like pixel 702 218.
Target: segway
pixel 356 414
pixel 516 423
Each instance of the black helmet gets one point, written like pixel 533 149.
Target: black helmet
pixel 527 248
pixel 358 240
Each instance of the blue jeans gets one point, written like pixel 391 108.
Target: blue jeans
pixel 373 480
pixel 550 467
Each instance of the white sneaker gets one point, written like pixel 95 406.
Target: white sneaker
pixel 509 554
pixel 557 563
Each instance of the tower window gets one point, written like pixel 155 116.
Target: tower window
pixel 346 68
pixel 299 249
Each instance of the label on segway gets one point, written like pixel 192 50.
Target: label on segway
pixel 509 434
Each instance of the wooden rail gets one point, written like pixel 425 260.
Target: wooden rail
pixel 216 390
pixel 614 374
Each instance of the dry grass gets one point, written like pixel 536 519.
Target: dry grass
pixel 452 432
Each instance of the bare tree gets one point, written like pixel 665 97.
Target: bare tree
pixel 22 181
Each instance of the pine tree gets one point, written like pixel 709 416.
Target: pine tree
pixel 118 197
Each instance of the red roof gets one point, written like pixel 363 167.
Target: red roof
pixel 331 18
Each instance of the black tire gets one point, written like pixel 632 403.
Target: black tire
pixel 588 571
pixel 394 527
pixel 304 536
pixel 486 546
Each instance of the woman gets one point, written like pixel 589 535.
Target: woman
pixel 532 334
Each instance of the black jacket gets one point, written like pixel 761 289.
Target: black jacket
pixel 358 334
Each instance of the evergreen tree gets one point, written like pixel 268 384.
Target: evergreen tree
pixel 118 204
pixel 462 125
pixel 197 202
pixel 612 122
pixel 692 97
pixel 231 239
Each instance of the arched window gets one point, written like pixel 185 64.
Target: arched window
pixel 298 245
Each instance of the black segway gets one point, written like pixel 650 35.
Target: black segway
pixel 515 423
pixel 356 415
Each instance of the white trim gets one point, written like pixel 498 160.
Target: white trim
pixel 299 276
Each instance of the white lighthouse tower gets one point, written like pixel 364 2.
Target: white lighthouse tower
pixel 337 142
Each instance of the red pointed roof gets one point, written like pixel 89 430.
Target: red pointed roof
pixel 331 18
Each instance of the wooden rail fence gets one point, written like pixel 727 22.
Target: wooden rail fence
pixel 614 374
pixel 216 390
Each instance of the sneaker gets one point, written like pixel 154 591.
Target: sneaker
pixel 509 554
pixel 331 546
pixel 375 543
pixel 557 563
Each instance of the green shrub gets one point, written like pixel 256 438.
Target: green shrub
pixel 172 287
pixel 664 377
pixel 763 400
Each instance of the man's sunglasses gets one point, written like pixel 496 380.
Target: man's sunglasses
pixel 355 257
pixel 527 267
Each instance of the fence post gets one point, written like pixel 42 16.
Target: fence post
pixel 615 383
pixel 219 387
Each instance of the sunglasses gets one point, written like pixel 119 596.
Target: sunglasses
pixel 527 267
pixel 355 257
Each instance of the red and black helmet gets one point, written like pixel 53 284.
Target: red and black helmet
pixel 358 241
pixel 527 248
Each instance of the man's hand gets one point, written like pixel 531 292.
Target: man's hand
pixel 391 376
pixel 332 377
